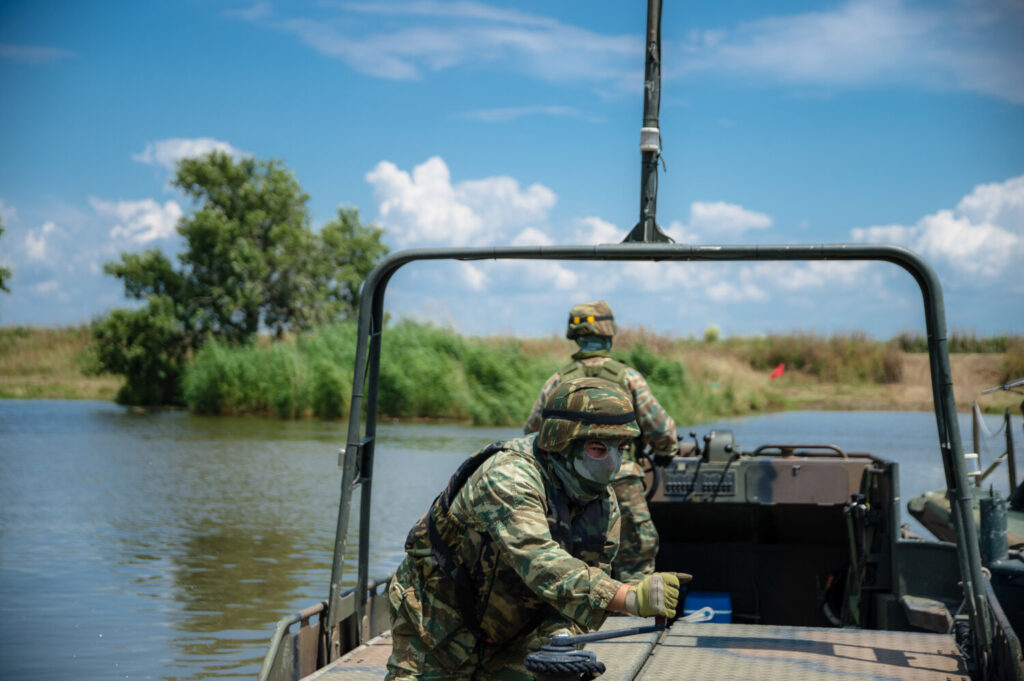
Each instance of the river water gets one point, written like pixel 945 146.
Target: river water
pixel 166 546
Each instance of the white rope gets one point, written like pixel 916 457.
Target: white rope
pixel 703 615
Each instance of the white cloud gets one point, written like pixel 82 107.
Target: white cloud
pixel 746 282
pixel 33 54
pixel 414 38
pixel 46 287
pixel 734 292
pixel 36 241
pixel 981 237
pixel 532 237
pixel 548 274
pixel 424 207
pixel 35 246
pixel 818 274
pixel 720 221
pixel 973 46
pixel 981 248
pixel 140 221
pixel 883 234
pixel 594 230
pixel 512 113
pixel 7 213
pixel 681 233
pixel 716 222
pixel 501 203
pixel 259 11
pixel 168 152
pixel 472 276
pixel 997 203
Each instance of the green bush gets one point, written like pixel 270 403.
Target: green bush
pixel 145 346
pixel 330 391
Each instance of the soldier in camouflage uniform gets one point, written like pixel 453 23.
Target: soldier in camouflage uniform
pixel 519 546
pixel 592 326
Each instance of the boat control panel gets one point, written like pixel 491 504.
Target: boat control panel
pixel 771 474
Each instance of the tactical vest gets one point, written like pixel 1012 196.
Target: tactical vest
pixel 613 370
pixel 570 533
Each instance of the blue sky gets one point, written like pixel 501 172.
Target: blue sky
pixel 472 123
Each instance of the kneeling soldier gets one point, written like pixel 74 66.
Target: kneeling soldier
pixel 519 546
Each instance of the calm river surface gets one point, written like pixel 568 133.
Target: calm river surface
pixel 166 546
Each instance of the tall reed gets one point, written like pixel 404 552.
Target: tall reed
pixel 425 372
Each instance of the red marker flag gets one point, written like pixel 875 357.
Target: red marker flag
pixel 778 371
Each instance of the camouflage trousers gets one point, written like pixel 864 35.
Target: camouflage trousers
pixel 411 658
pixel 638 544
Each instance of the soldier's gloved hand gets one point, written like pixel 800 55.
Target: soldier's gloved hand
pixel 656 595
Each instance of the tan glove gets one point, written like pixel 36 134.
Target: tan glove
pixel 656 595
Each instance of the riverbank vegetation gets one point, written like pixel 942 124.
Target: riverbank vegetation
pixel 250 261
pixel 433 373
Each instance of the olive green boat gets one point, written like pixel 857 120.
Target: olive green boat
pixel 796 548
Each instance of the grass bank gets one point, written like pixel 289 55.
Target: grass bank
pixel 38 362
pixel 433 373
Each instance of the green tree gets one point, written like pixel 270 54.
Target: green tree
pixel 5 272
pixel 251 261
pixel 350 250
pixel 145 345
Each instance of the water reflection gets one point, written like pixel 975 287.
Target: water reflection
pixel 164 545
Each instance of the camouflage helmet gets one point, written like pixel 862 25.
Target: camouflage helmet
pixel 591 319
pixel 585 408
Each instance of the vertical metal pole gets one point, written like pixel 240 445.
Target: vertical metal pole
pixel 647 230
pixel 976 430
pixel 1011 460
pixel 957 482
pixel 366 474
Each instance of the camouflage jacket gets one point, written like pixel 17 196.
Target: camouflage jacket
pixel 498 527
pixel 658 428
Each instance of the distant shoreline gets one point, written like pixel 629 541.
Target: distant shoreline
pixel 52 363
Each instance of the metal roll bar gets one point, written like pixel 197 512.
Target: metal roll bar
pixel 363 416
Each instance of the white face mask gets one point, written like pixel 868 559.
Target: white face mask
pixel 597 460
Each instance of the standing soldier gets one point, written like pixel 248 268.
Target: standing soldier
pixel 519 546
pixel 592 326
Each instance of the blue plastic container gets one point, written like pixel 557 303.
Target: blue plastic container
pixel 719 601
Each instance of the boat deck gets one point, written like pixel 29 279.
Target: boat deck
pixel 732 652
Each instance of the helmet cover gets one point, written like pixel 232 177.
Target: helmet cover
pixel 587 409
pixel 591 319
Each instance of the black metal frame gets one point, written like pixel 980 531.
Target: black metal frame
pixel 362 428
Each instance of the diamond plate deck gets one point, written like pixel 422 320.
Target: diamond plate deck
pixel 733 652
pixel 728 652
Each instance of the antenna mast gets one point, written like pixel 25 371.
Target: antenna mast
pixel 647 229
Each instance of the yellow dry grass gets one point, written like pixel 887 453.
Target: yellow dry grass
pixel 38 362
